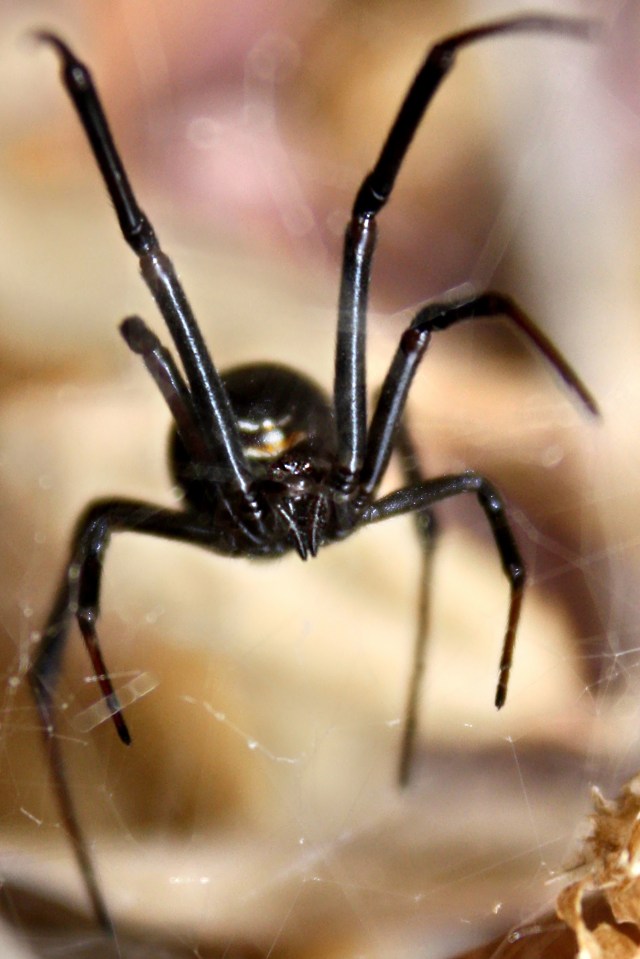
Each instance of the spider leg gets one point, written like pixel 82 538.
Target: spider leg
pixel 419 497
pixel 492 304
pixel 388 432
pixel 79 592
pixel 42 678
pixel 426 529
pixel 433 318
pixel 175 392
pixel 78 596
pixel 360 237
pixel 210 401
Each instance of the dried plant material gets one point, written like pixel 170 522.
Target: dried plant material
pixel 611 865
pixel 546 938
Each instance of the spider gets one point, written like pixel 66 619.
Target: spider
pixel 267 462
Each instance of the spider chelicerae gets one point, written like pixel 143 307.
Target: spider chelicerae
pixel 267 462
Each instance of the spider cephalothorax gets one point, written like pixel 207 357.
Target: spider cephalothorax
pixel 287 432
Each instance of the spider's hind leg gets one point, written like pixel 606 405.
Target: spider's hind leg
pixel 426 529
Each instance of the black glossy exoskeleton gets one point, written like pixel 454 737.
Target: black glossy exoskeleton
pixel 267 462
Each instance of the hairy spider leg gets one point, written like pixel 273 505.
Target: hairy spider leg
pixel 360 238
pixel 210 402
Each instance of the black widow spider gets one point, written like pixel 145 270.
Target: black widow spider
pixel 267 463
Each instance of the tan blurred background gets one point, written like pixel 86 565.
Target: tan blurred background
pixel 256 812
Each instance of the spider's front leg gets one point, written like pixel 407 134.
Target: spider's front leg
pixel 360 237
pixel 208 399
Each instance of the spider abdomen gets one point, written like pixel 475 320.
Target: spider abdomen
pixel 278 410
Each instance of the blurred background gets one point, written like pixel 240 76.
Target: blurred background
pixel 257 811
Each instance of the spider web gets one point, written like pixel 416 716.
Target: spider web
pixel 257 811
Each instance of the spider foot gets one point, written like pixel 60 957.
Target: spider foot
pixel 87 623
